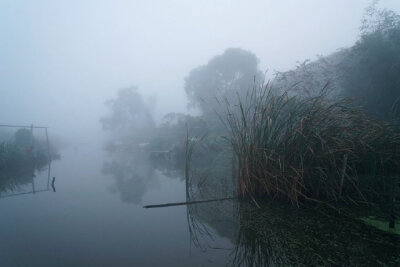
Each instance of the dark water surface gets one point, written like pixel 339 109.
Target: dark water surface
pixel 96 218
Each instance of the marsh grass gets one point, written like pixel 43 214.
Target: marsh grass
pixel 309 148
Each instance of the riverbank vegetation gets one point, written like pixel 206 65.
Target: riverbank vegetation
pixel 326 132
pixel 310 148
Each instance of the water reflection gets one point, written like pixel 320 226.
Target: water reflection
pixel 276 233
pixel 132 173
pixel 211 221
pixel 15 182
pixel 244 235
pixel 23 156
pixel 133 165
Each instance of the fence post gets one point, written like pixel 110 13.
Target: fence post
pixel 48 145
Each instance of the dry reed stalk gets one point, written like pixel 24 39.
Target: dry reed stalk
pixel 306 148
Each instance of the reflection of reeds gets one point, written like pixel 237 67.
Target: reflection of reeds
pixel 196 228
pixel 307 148
pixel 204 182
pixel 190 145
pixel 281 235
pixel 258 242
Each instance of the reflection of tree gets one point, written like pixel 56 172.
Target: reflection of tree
pixel 130 123
pixel 12 180
pixel 133 175
pixel 20 159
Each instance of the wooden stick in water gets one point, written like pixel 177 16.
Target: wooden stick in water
pixel 52 184
pixel 186 203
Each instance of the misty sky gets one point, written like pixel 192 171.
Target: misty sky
pixel 60 60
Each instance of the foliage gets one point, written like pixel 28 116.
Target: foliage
pixel 23 138
pixel 12 156
pixel 378 20
pixel 128 109
pixel 18 165
pixel 368 72
pixel 309 77
pixel 223 76
pixel 130 118
pixel 371 71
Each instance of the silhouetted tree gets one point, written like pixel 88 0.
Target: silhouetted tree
pixel 310 77
pixel 371 71
pixel 223 76
pixel 23 138
pixel 130 117
pixel 368 72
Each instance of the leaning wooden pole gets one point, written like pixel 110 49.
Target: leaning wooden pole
pixel 32 139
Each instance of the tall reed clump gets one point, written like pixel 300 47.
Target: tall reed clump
pixel 307 148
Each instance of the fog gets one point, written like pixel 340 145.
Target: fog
pixel 199 133
pixel 61 60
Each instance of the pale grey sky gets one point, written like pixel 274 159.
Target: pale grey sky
pixel 60 60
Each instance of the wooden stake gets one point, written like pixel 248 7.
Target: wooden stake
pixel 48 144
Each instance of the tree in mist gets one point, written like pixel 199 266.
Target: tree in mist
pixel 378 20
pixel 23 138
pixel 172 132
pixel 223 76
pixel 368 72
pixel 130 116
pixel 371 72
pixel 310 77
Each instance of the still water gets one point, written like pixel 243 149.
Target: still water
pixel 96 217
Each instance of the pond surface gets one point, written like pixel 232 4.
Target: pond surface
pixel 96 218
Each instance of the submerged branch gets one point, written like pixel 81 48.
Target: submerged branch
pixel 187 203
